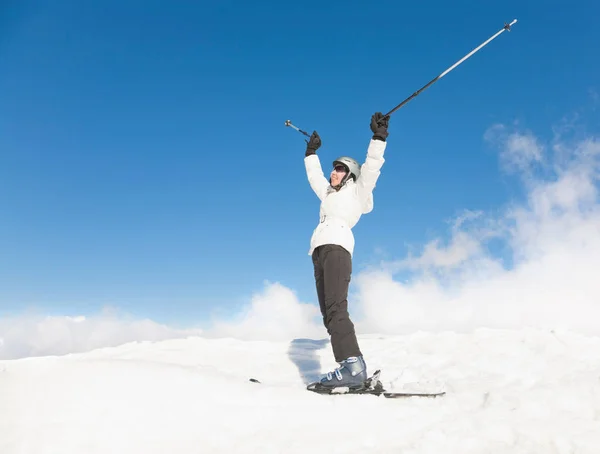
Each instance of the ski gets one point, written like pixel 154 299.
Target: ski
pixel 371 385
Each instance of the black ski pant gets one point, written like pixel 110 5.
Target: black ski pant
pixel 333 268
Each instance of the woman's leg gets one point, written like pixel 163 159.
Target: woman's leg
pixel 320 283
pixel 336 264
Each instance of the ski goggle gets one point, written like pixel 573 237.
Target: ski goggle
pixel 340 168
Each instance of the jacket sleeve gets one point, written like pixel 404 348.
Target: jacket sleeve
pixel 315 175
pixel 369 173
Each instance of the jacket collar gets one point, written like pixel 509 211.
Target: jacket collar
pixel 331 189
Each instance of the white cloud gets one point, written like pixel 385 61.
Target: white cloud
pixel 274 314
pixel 553 240
pixel 519 151
pixel 39 335
pixel 463 246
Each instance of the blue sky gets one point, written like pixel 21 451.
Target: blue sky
pixel 144 161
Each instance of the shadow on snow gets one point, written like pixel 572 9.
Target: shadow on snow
pixel 303 353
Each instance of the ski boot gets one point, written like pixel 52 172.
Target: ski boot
pixel 350 376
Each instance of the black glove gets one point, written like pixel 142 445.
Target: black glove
pixel 313 144
pixel 379 126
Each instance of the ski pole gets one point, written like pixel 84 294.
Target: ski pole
pixel 506 27
pixel 289 123
pixel 435 79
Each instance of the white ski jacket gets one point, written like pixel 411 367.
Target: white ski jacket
pixel 341 210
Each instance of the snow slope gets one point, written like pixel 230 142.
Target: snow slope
pixel 520 391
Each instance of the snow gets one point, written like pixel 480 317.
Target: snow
pixel 507 391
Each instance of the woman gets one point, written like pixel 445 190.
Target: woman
pixel 344 199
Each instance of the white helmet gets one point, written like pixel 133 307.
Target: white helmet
pixel 351 164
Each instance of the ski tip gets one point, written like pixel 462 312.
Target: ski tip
pixel 254 380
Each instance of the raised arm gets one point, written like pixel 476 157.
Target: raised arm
pixel 371 169
pixel 314 171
